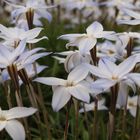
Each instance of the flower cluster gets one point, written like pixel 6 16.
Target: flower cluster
pixel 102 66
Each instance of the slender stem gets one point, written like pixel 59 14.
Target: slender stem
pixel 43 108
pixel 7 93
pixel 94 55
pixel 129 47
pixel 95 121
pixel 29 17
pixel 136 121
pixel 76 119
pixel 124 119
pixel 67 120
pixel 114 94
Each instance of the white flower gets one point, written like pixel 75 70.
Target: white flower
pixel 91 106
pixel 8 121
pixel 75 86
pixel 119 4
pixel 77 4
pixel 131 13
pixel 85 42
pixel 75 59
pixel 131 105
pixel 113 51
pixel 19 56
pixel 15 35
pixel 37 6
pixel 109 73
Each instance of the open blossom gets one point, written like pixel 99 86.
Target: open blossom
pixel 77 4
pixel 85 42
pixel 110 74
pixel 75 86
pixel 119 4
pixel 14 35
pixel 38 7
pixel 19 56
pixel 114 51
pixel 91 106
pixel 132 104
pixel 133 14
pixel 8 121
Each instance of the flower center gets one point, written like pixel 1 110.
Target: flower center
pixel 69 84
pixel 114 78
pixel 110 52
pixel 2 118
pixel 131 104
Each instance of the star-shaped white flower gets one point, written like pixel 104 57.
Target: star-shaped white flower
pixel 15 35
pixel 110 74
pixel 8 121
pixel 91 106
pixel 85 42
pixel 133 14
pixel 37 6
pixel 118 3
pixel 19 56
pixel 75 86
pixel 131 105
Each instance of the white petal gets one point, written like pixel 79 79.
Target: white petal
pixel 78 74
pixel 60 97
pixel 87 107
pixel 45 14
pixel 2 125
pixel 126 66
pixel 133 111
pixel 71 36
pixel 15 130
pixel 5 30
pixel 97 71
pixel 132 13
pixel 50 81
pixel 94 28
pixel 122 95
pixel 135 77
pixel 17 12
pixel 101 85
pixel 37 39
pixel 80 92
pixel 33 58
pixel 107 66
pixel 33 33
pixel 86 44
pixel 19 50
pixel 20 112
pixel 129 22
pixel 5 55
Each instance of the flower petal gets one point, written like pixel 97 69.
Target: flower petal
pixel 122 95
pixel 31 34
pixel 131 13
pixel 126 66
pixel 86 44
pixel 78 74
pixel 37 39
pixel 60 97
pixel 94 28
pixel 50 81
pixel 20 112
pixel 80 92
pixel 15 130
pixel 101 85
pixel 2 125
pixel 129 22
